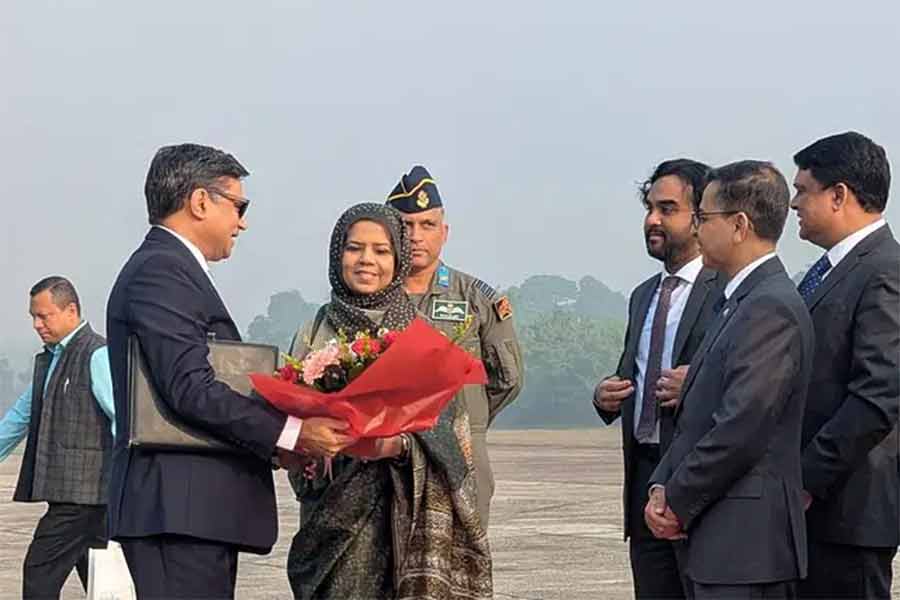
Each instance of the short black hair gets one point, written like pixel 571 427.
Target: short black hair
pixel 176 171
pixel 690 172
pixel 854 160
pixel 758 189
pixel 61 290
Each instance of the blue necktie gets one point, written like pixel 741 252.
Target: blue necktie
pixel 813 277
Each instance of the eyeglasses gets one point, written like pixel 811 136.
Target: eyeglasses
pixel 700 216
pixel 241 204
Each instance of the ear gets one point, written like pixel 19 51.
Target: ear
pixel 840 196
pixel 198 203
pixel 446 232
pixel 742 227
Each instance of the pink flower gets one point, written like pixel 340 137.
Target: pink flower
pixel 315 362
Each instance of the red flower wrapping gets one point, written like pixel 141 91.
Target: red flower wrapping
pixel 403 391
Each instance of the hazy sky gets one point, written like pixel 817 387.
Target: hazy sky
pixel 536 118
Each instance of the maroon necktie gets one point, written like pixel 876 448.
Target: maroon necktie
pixel 649 408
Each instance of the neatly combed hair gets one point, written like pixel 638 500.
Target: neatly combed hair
pixel 176 171
pixel 690 172
pixel 854 160
pixel 61 290
pixel 757 189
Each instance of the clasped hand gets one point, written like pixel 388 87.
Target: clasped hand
pixel 661 520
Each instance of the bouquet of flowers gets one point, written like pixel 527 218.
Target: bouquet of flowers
pixel 384 385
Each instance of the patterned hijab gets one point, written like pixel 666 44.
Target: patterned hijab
pixel 346 310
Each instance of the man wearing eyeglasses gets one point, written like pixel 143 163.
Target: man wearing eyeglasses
pixel 730 483
pixel 667 318
pixel 182 517
pixel 851 460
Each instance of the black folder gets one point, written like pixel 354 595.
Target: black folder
pixel 152 423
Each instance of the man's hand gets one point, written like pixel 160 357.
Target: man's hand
pixel 662 522
pixel 668 386
pixel 321 436
pixel 610 393
pixel 376 448
pixel 807 499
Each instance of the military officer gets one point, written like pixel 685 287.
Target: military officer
pixel 449 298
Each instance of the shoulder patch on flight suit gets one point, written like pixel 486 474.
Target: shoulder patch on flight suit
pixel 503 308
pixel 443 276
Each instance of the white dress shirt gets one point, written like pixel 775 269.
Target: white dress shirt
pixel 840 250
pixel 744 273
pixel 291 432
pixel 687 275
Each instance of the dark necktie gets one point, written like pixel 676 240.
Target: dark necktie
pixel 720 304
pixel 649 409
pixel 813 278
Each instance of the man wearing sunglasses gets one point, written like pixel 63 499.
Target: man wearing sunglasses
pixel 181 516
pixel 730 482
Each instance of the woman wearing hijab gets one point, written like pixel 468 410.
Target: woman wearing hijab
pixel 398 517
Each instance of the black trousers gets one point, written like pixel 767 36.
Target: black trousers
pixel 654 566
pixel 176 567
pixel 842 571
pixel 61 542
pixel 782 590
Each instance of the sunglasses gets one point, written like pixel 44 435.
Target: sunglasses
pixel 241 204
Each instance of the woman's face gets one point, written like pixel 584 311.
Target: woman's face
pixel 367 264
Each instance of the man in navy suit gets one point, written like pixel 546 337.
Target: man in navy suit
pixel 851 461
pixel 182 517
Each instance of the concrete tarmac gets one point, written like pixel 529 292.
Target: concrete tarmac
pixel 556 529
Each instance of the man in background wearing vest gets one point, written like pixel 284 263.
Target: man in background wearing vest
pixel 67 414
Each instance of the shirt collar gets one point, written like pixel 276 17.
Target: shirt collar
pixel 738 279
pixel 689 272
pixel 840 250
pixel 195 251
pixel 61 344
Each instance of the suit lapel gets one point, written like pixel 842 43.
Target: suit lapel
pixel 763 271
pixel 646 292
pixel 692 311
pixel 846 266
pixel 199 275
pixel 635 325
pixel 712 334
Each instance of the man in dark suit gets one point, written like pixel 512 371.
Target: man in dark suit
pixel 182 517
pixel 730 481
pixel 667 317
pixel 850 432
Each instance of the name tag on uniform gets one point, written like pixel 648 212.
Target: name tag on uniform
pixel 450 310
